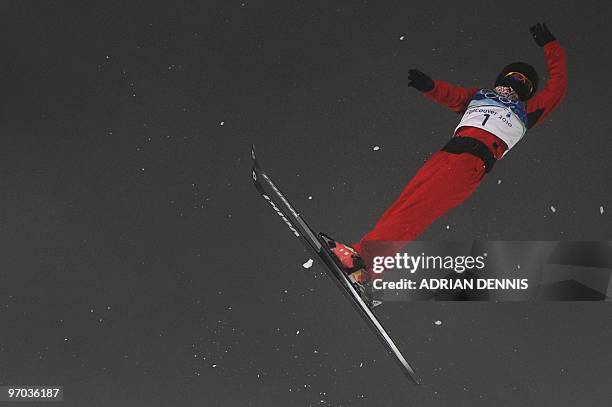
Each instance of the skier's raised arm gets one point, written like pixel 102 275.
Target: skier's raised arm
pixel 546 100
pixel 452 96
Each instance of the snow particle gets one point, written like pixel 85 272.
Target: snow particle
pixel 438 322
pixel 308 264
pixel 553 209
pixel 214 365
pixel 601 210
pixel 361 364
pixel 402 38
pixel 310 197
pixel 376 148
pixel 221 123
pixel 499 181
pixel 447 227
pixel 297 332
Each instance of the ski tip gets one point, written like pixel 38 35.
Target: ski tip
pixel 413 376
pixel 254 156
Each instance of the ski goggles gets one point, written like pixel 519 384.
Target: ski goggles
pixel 517 76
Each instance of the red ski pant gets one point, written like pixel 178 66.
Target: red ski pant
pixel 443 182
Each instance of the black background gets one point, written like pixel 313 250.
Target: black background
pixel 139 267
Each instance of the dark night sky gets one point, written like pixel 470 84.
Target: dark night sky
pixel 139 267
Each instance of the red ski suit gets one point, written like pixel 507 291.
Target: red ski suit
pixel 447 179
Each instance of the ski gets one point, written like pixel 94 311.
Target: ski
pixel 314 243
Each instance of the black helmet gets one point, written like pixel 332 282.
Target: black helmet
pixel 521 77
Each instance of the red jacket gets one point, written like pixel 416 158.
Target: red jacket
pixel 538 107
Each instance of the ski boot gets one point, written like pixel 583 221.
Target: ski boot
pixel 354 268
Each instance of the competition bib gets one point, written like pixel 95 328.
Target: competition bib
pixel 496 114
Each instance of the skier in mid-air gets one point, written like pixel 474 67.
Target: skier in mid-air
pixel 493 121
